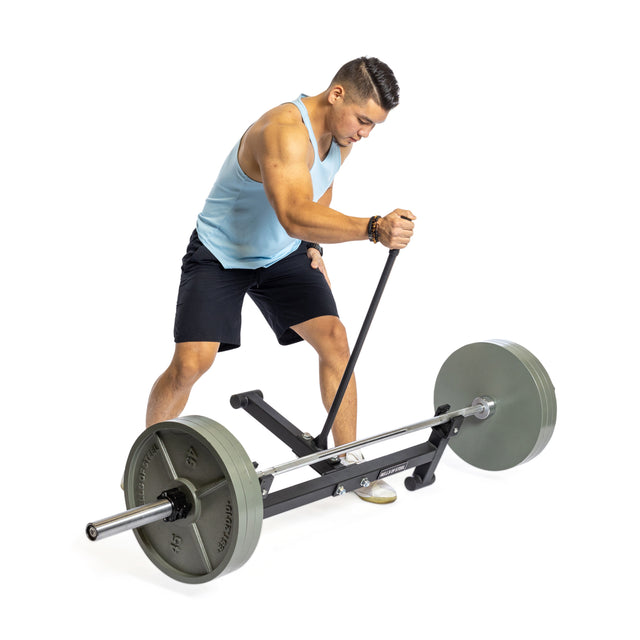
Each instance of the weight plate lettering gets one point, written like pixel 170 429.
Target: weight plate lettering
pixel 211 467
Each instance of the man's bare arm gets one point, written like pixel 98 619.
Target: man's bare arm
pixel 282 157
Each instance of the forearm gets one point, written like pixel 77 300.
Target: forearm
pixel 315 222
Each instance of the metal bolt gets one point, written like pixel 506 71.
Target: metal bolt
pixel 307 436
pixel 364 482
pixel 340 491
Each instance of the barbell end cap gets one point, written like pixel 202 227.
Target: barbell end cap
pixel 92 532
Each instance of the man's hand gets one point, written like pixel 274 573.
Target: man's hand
pixel 395 229
pixel 318 263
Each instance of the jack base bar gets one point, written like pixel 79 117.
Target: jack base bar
pixel 345 478
pixel 301 444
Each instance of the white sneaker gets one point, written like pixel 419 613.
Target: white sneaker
pixel 378 492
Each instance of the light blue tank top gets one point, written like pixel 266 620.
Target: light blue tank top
pixel 237 223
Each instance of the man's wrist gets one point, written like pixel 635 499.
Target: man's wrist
pixel 373 229
pixel 316 246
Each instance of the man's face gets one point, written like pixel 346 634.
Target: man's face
pixel 352 121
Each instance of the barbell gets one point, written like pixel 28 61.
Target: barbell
pixel 196 501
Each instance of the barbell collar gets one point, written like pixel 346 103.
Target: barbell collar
pixel 488 406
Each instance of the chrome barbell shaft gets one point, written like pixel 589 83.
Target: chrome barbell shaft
pixel 481 407
pixel 131 519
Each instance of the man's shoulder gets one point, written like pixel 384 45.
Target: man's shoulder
pixel 284 117
pixel 281 126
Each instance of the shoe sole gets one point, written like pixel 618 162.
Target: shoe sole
pixel 377 500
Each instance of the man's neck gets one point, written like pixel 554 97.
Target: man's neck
pixel 318 109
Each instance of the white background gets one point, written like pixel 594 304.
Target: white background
pixel 516 145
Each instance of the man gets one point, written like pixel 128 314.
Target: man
pixel 259 233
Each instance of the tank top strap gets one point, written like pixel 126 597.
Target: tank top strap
pixel 322 171
pixel 307 123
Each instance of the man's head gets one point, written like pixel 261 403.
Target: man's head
pixel 367 79
pixel 361 95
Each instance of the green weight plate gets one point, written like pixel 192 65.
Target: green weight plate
pixel 525 403
pixel 211 467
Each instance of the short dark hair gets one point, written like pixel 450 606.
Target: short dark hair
pixel 370 78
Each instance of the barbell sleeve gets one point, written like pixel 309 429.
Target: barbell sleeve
pixel 131 519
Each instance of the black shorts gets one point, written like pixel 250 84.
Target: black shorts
pixel 210 297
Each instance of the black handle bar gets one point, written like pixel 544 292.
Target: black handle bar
pixel 321 439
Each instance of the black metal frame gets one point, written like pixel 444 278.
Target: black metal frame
pixel 335 478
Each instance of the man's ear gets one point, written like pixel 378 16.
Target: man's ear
pixel 336 93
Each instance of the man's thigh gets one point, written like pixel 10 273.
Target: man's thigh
pixel 210 299
pixel 290 293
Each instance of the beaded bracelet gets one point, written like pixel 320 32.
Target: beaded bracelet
pixel 372 229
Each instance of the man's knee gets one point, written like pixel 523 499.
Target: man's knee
pixel 191 360
pixel 326 335
pixel 333 342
